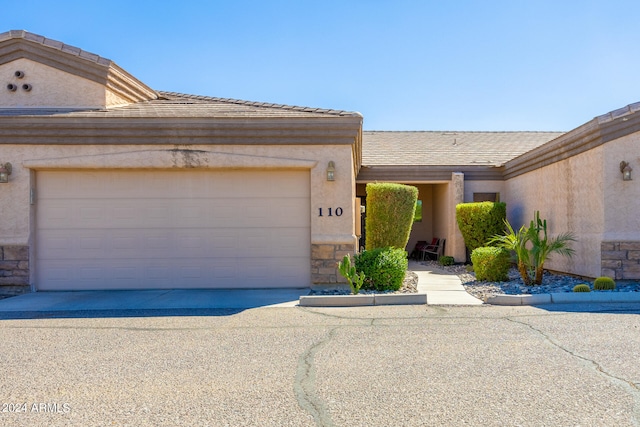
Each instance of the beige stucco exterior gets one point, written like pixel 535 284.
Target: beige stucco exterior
pixel 569 194
pixel 621 217
pixel 53 88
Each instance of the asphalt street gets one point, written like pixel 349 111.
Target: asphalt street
pixel 560 365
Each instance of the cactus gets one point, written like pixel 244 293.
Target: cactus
pixel 581 288
pixel 604 284
pixel 349 272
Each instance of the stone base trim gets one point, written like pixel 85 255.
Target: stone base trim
pixel 14 270
pixel 620 260
pixel 325 258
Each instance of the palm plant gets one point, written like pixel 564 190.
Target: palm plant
pixel 532 247
pixel 542 247
pixel 517 242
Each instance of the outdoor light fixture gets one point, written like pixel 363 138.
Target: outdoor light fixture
pixel 331 171
pixel 626 170
pixel 5 171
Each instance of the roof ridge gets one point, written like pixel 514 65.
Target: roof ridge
pixel 54 44
pixel 261 104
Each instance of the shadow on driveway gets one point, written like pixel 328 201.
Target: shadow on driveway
pixel 145 303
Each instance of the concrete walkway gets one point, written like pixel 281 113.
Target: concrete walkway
pixel 441 287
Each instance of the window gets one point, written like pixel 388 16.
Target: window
pixel 486 197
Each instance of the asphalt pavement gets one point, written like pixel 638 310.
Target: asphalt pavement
pixel 557 365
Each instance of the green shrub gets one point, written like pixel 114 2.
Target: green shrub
pixel 581 288
pixel 446 260
pixel 384 268
pixel 469 268
pixel 604 284
pixel 479 222
pixel 390 212
pixel 491 264
pixel 349 272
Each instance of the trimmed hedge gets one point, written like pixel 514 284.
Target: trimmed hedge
pixel 491 263
pixel 479 222
pixel 384 268
pixel 390 212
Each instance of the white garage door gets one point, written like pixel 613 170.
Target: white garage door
pixel 172 229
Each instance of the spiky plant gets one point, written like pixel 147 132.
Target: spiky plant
pixel 533 247
pixel 581 288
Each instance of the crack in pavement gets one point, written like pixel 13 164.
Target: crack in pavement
pixel 632 388
pixel 305 383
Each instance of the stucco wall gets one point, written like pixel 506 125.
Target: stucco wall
pixel 52 88
pixel 569 194
pixel 621 198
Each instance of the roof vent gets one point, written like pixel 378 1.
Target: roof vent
pixel 19 74
pixel 11 87
pixel 26 87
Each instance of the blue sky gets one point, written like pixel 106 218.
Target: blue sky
pixel 405 65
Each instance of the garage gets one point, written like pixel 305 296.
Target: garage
pixel 161 229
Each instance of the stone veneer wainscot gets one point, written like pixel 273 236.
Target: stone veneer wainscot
pixel 14 270
pixel 324 262
pixel 621 260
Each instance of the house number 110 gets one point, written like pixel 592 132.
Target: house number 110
pixel 332 212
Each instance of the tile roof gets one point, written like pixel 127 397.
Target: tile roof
pixel 175 105
pixel 432 148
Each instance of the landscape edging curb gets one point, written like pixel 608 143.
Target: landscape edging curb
pixel 564 298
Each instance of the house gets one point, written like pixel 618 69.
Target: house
pixel 106 183
pixel 115 185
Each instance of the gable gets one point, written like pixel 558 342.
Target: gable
pixel 29 84
pixel 43 73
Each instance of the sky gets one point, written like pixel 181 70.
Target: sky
pixel 463 65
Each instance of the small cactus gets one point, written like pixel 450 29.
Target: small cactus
pixel 581 288
pixel 348 271
pixel 604 284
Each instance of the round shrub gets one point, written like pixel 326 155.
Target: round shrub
pixel 491 263
pixel 581 288
pixel 446 260
pixel 384 268
pixel 604 284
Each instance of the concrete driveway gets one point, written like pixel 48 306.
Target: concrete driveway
pixel 367 366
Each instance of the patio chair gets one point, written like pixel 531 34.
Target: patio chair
pixel 429 248
pixel 436 249
pixel 416 253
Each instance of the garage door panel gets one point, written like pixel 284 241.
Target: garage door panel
pixel 172 229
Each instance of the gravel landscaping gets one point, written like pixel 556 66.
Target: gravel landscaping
pixel 551 283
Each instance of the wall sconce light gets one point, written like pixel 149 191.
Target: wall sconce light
pixel 5 171
pixel 626 171
pixel 331 171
